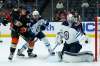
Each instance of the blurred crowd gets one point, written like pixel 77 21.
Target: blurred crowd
pixel 87 9
pixel 61 12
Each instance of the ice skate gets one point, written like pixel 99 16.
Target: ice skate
pixel 51 52
pixel 19 53
pixel 31 55
pixel 10 56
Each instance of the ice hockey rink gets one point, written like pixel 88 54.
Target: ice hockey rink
pixel 43 58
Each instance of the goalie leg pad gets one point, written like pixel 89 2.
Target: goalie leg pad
pixel 73 47
pixel 78 57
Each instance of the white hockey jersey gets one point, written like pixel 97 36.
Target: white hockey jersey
pixel 36 27
pixel 67 34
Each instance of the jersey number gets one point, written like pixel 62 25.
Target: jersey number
pixel 66 35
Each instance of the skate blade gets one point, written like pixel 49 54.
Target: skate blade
pixel 33 57
pixel 10 60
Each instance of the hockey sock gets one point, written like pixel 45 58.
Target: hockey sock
pixel 12 50
pixel 24 47
pixel 47 44
pixel 29 51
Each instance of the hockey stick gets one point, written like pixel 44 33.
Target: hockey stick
pixel 49 55
pixel 82 37
pixel 55 47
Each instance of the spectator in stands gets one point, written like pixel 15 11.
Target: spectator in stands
pixel 85 4
pixel 77 17
pixel 60 5
pixel 65 11
pixel 88 18
pixel 1 3
pixel 78 23
pixel 57 17
pixel 42 5
pixel 62 17
pixel 9 4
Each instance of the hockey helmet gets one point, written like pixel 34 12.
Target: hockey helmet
pixel 70 18
pixel 35 13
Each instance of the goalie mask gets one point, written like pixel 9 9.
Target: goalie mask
pixel 70 18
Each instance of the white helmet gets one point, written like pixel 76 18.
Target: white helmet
pixel 35 13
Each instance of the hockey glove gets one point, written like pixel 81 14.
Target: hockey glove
pixel 18 23
pixel 4 21
pixel 23 30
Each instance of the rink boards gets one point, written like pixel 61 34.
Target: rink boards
pixel 53 28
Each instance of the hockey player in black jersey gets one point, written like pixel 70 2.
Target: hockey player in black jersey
pixel 19 27
pixel 37 25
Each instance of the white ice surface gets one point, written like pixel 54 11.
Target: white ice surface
pixel 42 60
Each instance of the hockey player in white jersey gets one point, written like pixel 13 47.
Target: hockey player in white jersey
pixel 74 21
pixel 71 49
pixel 68 35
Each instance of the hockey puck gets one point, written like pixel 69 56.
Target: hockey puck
pixel 1 41
pixel 86 41
pixel 53 53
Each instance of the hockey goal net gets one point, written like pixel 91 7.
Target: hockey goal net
pixel 97 39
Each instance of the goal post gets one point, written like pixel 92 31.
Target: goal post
pixel 97 37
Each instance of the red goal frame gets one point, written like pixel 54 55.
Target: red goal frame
pixel 96 39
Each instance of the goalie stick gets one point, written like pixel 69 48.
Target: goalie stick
pixel 55 47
